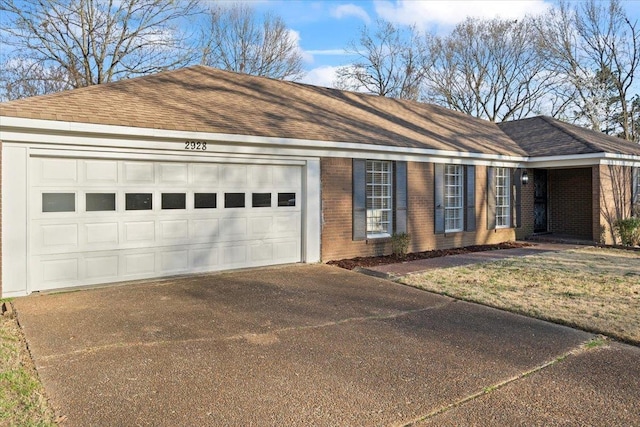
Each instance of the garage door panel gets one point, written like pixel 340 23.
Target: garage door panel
pixel 100 172
pixel 204 258
pixel 204 230
pixel 287 250
pixel 100 234
pixel 233 176
pixel 173 173
pixel 88 235
pixel 234 254
pixel 138 173
pixel 173 261
pixel 233 228
pixel 53 171
pixel 139 263
pixel 174 230
pixel 56 271
pixel 101 267
pixel 139 231
pixel 204 174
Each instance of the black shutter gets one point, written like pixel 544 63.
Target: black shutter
pixel 470 199
pixel 439 198
pixel 516 199
pixel 401 197
pixel 359 199
pixel 491 198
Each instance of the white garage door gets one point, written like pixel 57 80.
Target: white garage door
pixel 99 221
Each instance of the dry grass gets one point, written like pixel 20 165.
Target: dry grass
pixel 594 289
pixel 22 401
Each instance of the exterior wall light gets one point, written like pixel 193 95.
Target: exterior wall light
pixel 525 177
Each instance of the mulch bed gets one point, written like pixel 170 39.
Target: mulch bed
pixel 372 261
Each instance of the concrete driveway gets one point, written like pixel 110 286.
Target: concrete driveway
pixel 314 345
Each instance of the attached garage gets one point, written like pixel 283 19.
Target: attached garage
pixel 95 221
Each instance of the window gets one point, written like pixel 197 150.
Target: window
pixel 503 198
pixel 58 202
pixel 234 200
pixel 379 198
pixel 174 200
pixel 205 200
pixel 261 200
pixel 453 198
pixel 100 202
pixel 138 201
pixel 286 199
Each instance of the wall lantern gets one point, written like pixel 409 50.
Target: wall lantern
pixel 524 177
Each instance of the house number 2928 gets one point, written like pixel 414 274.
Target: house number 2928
pixel 195 145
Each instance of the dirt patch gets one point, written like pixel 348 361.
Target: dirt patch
pixel 595 289
pixel 352 263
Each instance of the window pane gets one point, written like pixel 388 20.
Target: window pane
pixel 234 200
pixel 205 200
pixel 379 197
pixel 261 200
pixel 174 200
pixel 58 202
pixel 138 201
pixel 286 199
pixel 101 202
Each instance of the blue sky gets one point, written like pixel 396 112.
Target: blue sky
pixel 324 28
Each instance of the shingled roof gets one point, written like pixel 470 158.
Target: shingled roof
pixel 545 136
pixel 205 99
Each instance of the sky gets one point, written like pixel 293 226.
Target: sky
pixel 324 28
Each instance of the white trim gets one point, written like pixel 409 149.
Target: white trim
pixel 84 134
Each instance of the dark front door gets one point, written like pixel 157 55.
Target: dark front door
pixel 540 200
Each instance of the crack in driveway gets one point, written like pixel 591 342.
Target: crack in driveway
pixel 250 337
pixel 581 348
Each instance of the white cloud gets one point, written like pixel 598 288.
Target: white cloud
pixel 427 13
pixel 347 10
pixel 321 76
pixel 329 52
pixel 294 36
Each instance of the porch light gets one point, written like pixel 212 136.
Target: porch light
pixel 525 177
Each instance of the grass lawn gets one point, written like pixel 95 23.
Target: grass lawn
pixel 595 289
pixel 21 395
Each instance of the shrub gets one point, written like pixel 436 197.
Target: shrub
pixel 400 244
pixel 629 231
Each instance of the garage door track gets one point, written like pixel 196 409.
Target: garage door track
pixel 315 345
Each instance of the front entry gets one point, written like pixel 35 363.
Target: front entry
pixel 540 208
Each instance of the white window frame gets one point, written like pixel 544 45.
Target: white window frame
pixel 453 198
pixel 379 193
pixel 503 197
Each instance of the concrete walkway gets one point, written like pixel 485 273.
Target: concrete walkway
pixel 392 271
pixel 315 345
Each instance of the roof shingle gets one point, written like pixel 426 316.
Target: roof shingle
pixel 545 136
pixel 205 99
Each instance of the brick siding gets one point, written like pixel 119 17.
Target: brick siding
pixel 571 202
pixel 612 199
pixel 337 242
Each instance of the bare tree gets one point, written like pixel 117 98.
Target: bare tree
pixel 98 41
pixel 390 61
pixel 596 48
pixel 491 69
pixel 237 39
pixel 21 79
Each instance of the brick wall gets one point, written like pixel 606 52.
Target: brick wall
pixel 337 243
pixel 612 199
pixel 571 202
pixel 527 206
